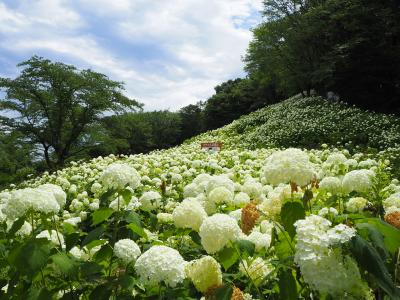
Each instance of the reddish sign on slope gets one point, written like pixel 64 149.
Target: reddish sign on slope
pixel 212 146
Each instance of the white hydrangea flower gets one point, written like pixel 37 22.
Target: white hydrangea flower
pixel 220 195
pixel 357 180
pixel 165 218
pixel 126 250
pixel 241 199
pixel 325 268
pixel 204 273
pixel 356 204
pixel 161 264
pixel 150 200
pixel 260 240
pixel 217 230
pixel 53 236
pixel 323 212
pixel 392 201
pixel 118 176
pixel 332 185
pixel 78 253
pixel 38 200
pixel 253 188
pixel 290 165
pixel 189 214
pixel 59 194
pixel 219 181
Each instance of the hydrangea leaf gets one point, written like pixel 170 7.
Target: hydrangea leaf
pixel 287 285
pixel 369 259
pixel 101 215
pixel 228 257
pixel 290 213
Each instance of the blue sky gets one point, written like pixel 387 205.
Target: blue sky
pixel 169 53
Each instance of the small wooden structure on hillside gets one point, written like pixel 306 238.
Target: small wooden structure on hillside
pixel 212 146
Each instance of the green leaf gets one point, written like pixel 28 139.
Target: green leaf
pixel 104 199
pixel 369 259
pixel 30 257
pixel 16 226
pixel 126 196
pixel 101 292
pixel 66 265
pixel 245 247
pixel 137 228
pixel 308 195
pixel 287 285
pixel 290 213
pixel 195 237
pixel 368 231
pixel 90 268
pixel 39 294
pixel 282 246
pixel 93 235
pixel 222 293
pixel 391 235
pixel 228 257
pixel 101 215
pixel 72 240
pixel 103 254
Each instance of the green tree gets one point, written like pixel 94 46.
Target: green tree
pixel 54 104
pixel 348 47
pixel 235 98
pixel 17 158
pixel 192 120
pixel 139 132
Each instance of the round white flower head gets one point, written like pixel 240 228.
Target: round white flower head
pixel 217 230
pixel 150 200
pixel 392 201
pixel 241 199
pixel 118 176
pixel 323 268
pixel 332 185
pixel 357 180
pixel 323 212
pixel 189 214
pixel 258 269
pixel 78 253
pixel 260 240
pixel 25 199
pixel 220 195
pixel 219 181
pixel 204 273
pixel 59 194
pixel 356 204
pixel 290 165
pixel 160 263
pixel 165 218
pixel 55 237
pixel 126 250
pixel 253 188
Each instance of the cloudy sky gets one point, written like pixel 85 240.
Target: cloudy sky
pixel 169 53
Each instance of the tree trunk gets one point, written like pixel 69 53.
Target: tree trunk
pixel 47 157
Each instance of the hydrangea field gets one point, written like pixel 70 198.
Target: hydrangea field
pixel 184 223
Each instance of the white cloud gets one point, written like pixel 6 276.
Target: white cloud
pixel 202 42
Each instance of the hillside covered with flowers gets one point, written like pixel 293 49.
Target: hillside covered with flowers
pixel 303 202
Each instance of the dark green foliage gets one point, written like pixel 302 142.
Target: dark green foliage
pixel 348 47
pixel 54 105
pixel 235 98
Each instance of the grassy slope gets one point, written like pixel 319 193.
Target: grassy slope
pixel 308 122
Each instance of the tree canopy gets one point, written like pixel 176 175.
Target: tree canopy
pixel 347 47
pixel 54 104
